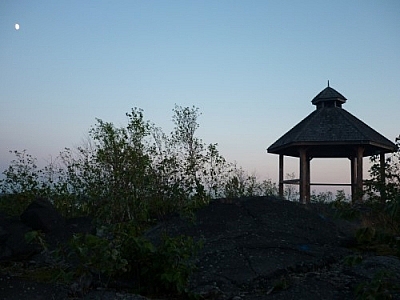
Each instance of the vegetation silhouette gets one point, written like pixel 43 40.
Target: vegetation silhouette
pixel 129 178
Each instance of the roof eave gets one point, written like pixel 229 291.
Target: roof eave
pixel 291 149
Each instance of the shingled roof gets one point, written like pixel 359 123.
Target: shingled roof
pixel 331 131
pixel 329 95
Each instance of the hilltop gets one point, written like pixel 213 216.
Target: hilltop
pixel 254 248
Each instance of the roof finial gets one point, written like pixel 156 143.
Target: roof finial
pixel 328 82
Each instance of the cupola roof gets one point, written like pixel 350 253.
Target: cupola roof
pixel 328 97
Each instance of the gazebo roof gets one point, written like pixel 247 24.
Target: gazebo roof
pixel 328 95
pixel 331 131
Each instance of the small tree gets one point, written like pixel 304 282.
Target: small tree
pixel 215 172
pixel 22 176
pixel 133 173
pixel 190 149
pixel 389 190
pixel 24 180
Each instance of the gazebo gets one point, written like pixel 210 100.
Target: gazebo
pixel 330 132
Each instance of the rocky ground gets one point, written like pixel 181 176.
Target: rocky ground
pixel 258 248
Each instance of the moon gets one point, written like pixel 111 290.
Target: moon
pixel 16 26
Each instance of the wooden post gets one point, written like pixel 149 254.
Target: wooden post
pixel 353 175
pixel 308 193
pixel 280 184
pixel 359 188
pixel 304 177
pixel 383 177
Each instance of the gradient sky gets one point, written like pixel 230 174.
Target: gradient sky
pixel 252 68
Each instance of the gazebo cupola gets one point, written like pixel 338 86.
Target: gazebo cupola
pixel 328 98
pixel 330 132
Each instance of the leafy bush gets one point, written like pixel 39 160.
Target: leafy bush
pixel 386 190
pixel 165 269
pixel 97 255
pixel 115 253
pixel 23 181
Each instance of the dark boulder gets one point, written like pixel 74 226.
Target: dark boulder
pixel 13 244
pixel 41 215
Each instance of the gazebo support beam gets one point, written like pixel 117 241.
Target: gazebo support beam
pixel 353 177
pixel 359 183
pixel 308 196
pixel 304 177
pixel 281 167
pixel 383 177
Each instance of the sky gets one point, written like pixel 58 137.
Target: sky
pixel 251 67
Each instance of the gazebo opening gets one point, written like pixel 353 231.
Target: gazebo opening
pixel 332 174
pixel 330 132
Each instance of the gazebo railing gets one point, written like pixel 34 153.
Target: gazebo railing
pixel 297 181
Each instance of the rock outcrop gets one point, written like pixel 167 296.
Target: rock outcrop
pixel 39 216
pixel 253 248
pixel 264 247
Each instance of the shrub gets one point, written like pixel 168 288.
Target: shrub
pixel 115 253
pixel 389 189
pixel 164 269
